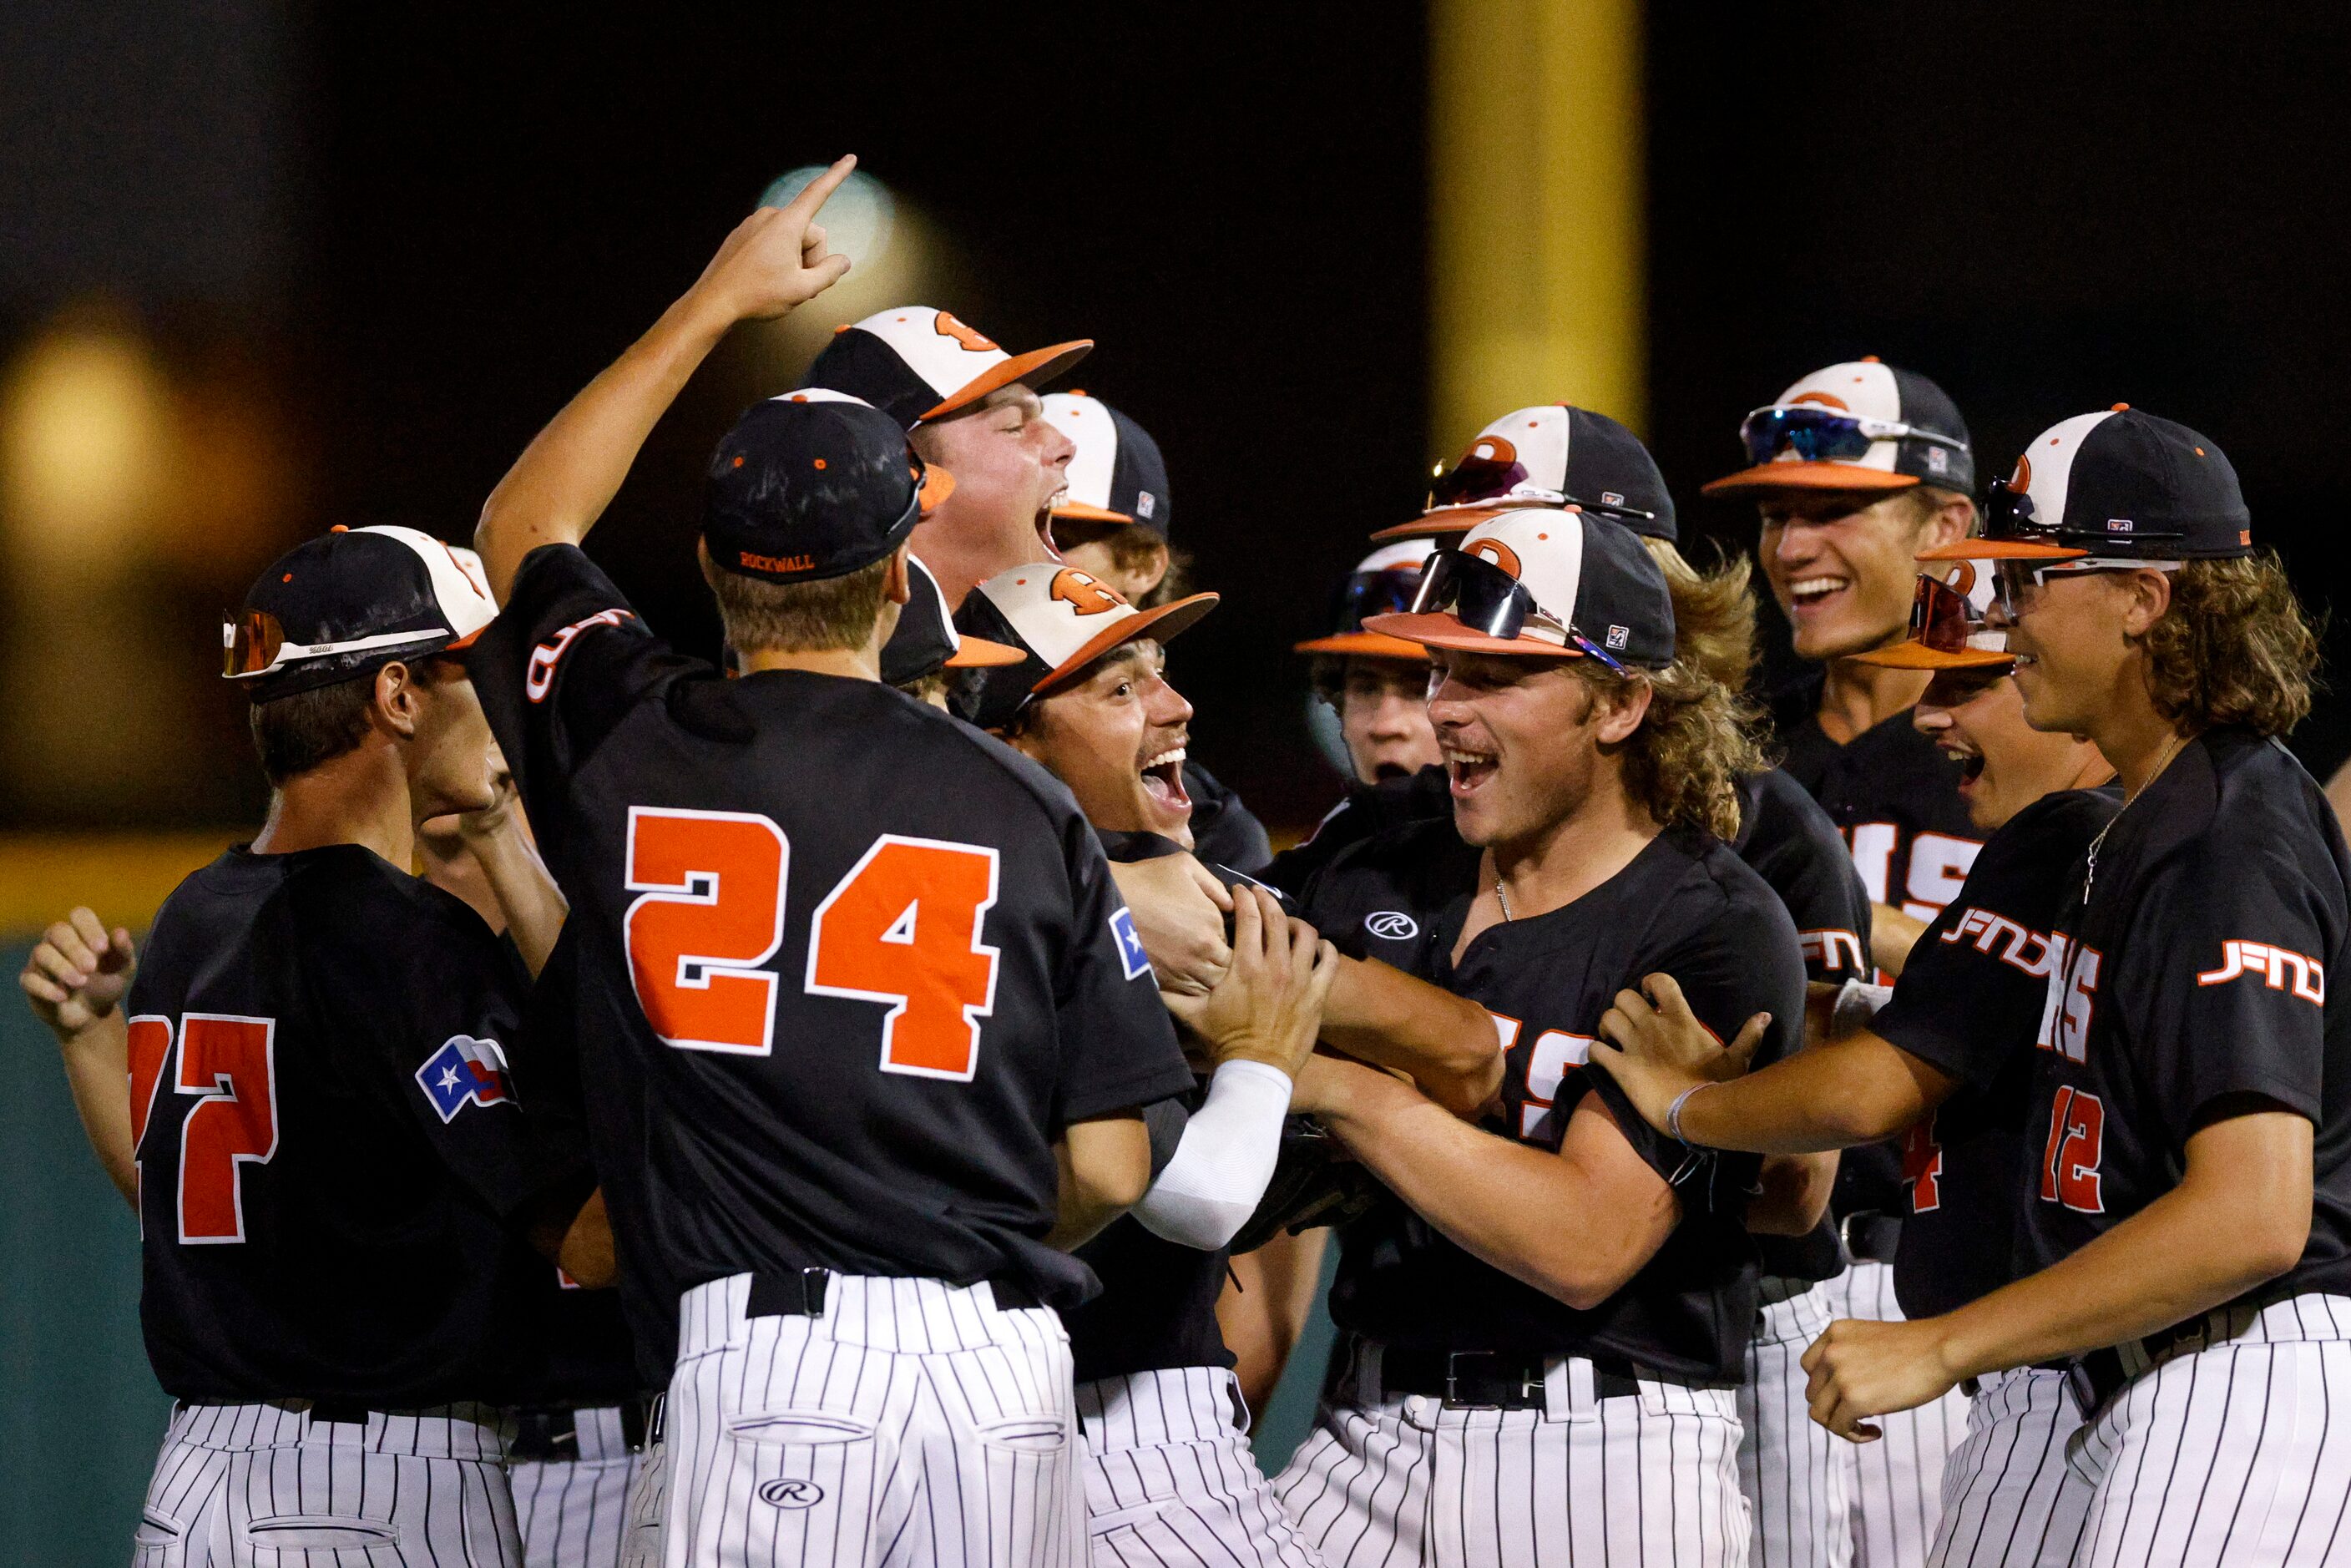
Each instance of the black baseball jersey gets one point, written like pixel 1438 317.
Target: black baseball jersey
pixel 1223 832
pixel 1790 841
pixel 1895 797
pixel 1366 809
pixel 331 1153
pixel 1686 906
pixel 2188 981
pixel 858 963
pixel 1970 1003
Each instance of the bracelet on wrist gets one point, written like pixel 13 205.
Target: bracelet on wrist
pixel 1674 1113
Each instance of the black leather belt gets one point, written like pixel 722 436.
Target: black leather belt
pixel 2100 1376
pixel 1489 1379
pixel 1870 1235
pixel 545 1434
pixel 800 1293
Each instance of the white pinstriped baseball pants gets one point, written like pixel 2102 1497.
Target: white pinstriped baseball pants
pixel 1897 1480
pixel 254 1486
pixel 2230 1454
pixel 914 1422
pixel 1797 1475
pixel 1585 1482
pixel 2010 1498
pixel 572 1512
pixel 1170 1481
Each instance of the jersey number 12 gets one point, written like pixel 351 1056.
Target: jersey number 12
pixel 902 927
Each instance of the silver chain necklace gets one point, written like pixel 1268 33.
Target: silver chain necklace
pixel 1503 899
pixel 2090 872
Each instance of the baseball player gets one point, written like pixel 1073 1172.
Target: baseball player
pixel 1377 688
pixel 969 407
pixel 1855 469
pixel 1169 1477
pixel 870 1028
pixel 1553 455
pixel 1114 519
pixel 924 651
pixel 1949 1062
pixel 1546 1327
pixel 319 1133
pixel 972 410
pixel 2188 1198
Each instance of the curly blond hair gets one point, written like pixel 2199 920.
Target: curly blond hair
pixel 2235 647
pixel 1714 614
pixel 1683 763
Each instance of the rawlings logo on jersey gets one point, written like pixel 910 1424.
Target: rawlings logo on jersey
pixel 1391 926
pixel 2276 967
pixel 1130 956
pixel 541 677
pixel 465 1071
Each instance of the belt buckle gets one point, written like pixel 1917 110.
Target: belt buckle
pixel 1453 1360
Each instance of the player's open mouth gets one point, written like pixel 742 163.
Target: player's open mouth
pixel 1810 593
pixel 1163 780
pixel 1971 761
pixel 1466 770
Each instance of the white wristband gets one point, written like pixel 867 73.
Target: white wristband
pixel 1856 1003
pixel 1674 1113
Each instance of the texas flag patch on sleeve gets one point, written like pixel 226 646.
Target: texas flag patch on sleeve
pixel 465 1071
pixel 1130 956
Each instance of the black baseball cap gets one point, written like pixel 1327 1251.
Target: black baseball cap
pixel 1383 584
pixel 1543 580
pixel 349 602
pixel 814 485
pixel 1553 454
pixel 926 641
pixel 1062 620
pixel 913 364
pixel 1862 425
pixel 1116 474
pixel 2118 484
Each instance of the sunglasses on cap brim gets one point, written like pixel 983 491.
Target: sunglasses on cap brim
pixel 1478 481
pixel 1819 434
pixel 1488 601
pixel 2015 575
pixel 1946 633
pixel 254 644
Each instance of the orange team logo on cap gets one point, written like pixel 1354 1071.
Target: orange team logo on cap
pixel 948 327
pixel 1081 593
pixel 1827 400
pixel 1491 449
pixel 2022 478
pixel 1498 552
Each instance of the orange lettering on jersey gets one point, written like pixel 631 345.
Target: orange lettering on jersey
pixel 541 677
pixel 230 1062
pixel 947 326
pixel 1083 594
pixel 712 912
pixel 903 927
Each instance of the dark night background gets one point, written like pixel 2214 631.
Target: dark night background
pixel 457 218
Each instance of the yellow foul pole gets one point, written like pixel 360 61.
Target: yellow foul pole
pixel 1536 211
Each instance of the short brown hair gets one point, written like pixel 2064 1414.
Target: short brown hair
pixel 798 617
pixel 1683 764
pixel 1714 614
pixel 2235 647
pixel 295 734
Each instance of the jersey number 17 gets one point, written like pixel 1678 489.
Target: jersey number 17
pixel 902 927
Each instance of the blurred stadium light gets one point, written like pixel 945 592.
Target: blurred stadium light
pixel 893 256
pixel 1536 225
pixel 84 440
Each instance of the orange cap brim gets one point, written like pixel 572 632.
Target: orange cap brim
pixel 1036 367
pixel 1079 512
pixel 1442 525
pixel 1919 656
pixel 1363 645
pixel 1807 476
pixel 1444 632
pixel 2000 549
pixel 979 653
pixel 1162 622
